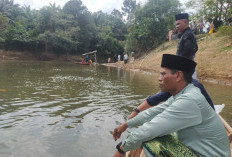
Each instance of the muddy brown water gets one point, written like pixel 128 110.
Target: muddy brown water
pixel 60 109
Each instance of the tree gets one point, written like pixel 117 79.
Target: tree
pixel 3 26
pixel 217 11
pixel 116 13
pixel 129 6
pixel 75 8
pixel 110 34
pixel 85 23
pixel 151 25
pixel 16 36
pixel 9 9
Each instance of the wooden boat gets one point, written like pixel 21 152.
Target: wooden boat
pixel 139 152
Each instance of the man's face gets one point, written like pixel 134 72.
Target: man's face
pixel 167 80
pixel 181 25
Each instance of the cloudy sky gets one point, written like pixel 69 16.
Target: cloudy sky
pixel 92 5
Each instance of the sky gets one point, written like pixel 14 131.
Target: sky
pixel 92 5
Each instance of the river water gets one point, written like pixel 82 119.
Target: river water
pixel 60 109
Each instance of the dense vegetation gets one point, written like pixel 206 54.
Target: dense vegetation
pixel 74 30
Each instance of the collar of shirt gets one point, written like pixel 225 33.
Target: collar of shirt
pixel 182 91
pixel 187 29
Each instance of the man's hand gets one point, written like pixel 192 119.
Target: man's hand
pixel 118 154
pixel 119 130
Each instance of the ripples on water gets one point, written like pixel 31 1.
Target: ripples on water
pixel 65 110
pixel 61 109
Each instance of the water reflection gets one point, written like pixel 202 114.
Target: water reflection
pixel 60 109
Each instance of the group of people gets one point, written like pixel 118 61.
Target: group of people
pixel 88 59
pixel 180 120
pixel 196 27
pixel 126 58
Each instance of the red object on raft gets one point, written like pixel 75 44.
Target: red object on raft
pixel 82 63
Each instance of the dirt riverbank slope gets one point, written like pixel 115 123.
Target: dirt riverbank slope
pixel 214 59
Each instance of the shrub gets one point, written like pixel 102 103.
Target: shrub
pixel 225 31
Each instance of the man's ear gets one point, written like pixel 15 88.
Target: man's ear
pixel 179 76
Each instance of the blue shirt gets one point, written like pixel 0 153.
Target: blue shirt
pixel 163 96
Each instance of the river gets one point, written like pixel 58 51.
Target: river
pixel 60 109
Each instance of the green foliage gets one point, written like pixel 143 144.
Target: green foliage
pixel 110 34
pixel 116 13
pixel 75 8
pixel 9 9
pixel 58 42
pixel 108 46
pixel 3 22
pixel 216 11
pixel 74 30
pixel 151 24
pixel 225 31
pixel 17 33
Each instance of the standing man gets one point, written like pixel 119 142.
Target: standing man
pixel 119 58
pixel 187 46
pixel 199 130
pixel 125 58
pixel 201 26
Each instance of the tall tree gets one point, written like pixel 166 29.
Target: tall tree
pixel 129 7
pixel 9 9
pixel 85 22
pixel 75 8
pixel 116 13
pixel 151 24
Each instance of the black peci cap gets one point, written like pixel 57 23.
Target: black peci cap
pixel 182 16
pixel 179 63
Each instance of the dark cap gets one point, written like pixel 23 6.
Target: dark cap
pixel 181 16
pixel 179 63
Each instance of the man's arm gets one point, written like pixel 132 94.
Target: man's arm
pixel 151 101
pixel 181 114
pixel 119 130
pixel 188 48
pixel 143 106
pixel 138 120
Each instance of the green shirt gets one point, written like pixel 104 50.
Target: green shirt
pixel 189 115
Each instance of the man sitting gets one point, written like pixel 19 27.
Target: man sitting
pixel 199 131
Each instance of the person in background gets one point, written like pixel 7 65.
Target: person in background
pixel 211 27
pixel 119 58
pixel 201 26
pixel 115 58
pixel 132 57
pixel 109 60
pixel 125 58
pixel 87 59
pixel 187 46
pixel 199 131
pixel 194 28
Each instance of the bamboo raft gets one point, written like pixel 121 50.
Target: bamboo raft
pixel 139 152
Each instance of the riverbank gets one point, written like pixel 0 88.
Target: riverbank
pixel 214 59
